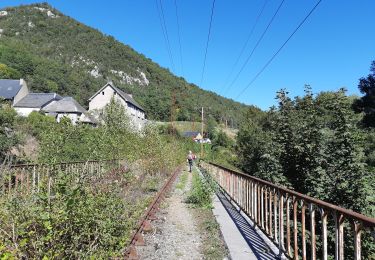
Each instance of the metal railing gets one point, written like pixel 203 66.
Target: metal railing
pixel 26 178
pixel 284 214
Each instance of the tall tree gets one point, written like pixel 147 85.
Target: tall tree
pixel 366 103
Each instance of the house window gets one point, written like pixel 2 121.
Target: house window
pixel 102 92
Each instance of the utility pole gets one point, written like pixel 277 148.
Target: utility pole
pixel 202 135
pixel 173 111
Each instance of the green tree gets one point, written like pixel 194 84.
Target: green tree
pixel 221 139
pixel 366 103
pixel 8 73
pixel 8 137
pixel 211 128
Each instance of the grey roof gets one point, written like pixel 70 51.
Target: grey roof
pixel 190 134
pixel 9 88
pixel 128 98
pixel 65 105
pixel 125 96
pixel 37 100
pixel 89 119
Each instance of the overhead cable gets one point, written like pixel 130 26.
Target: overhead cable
pixel 208 40
pixel 165 31
pixel 256 45
pixel 245 44
pixel 179 36
pixel 278 51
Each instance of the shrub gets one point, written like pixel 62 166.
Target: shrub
pixel 200 195
pixel 76 221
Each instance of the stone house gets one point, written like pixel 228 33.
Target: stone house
pixel 104 96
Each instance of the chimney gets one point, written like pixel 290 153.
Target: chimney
pixel 130 95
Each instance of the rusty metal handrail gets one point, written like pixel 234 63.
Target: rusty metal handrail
pixel 59 163
pixel 25 178
pixel 273 208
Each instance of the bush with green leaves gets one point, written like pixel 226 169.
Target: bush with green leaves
pixel 200 193
pixel 8 137
pixel 77 220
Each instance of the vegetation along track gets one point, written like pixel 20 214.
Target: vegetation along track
pixel 137 238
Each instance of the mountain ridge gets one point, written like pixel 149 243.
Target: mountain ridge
pixel 57 53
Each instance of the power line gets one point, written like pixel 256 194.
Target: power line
pixel 256 45
pixel 245 45
pixel 179 37
pixel 278 51
pixel 165 31
pixel 208 40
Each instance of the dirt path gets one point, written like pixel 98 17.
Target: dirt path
pixel 174 235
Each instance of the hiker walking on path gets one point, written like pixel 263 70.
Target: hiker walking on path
pixel 190 159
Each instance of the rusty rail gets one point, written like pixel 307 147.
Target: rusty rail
pixel 149 214
pixel 284 214
pixel 26 178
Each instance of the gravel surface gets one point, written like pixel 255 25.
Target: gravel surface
pixel 174 234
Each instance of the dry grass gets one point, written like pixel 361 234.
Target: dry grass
pixel 213 245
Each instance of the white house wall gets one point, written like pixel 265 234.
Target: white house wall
pixel 21 93
pixel 74 118
pixel 25 111
pixel 101 100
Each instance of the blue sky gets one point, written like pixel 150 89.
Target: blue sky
pixel 333 49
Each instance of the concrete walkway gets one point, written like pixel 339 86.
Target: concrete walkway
pixel 237 245
pixel 243 240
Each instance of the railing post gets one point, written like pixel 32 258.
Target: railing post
pixel 312 231
pixel 258 203
pixel 339 242
pixel 357 240
pixel 323 214
pixel 303 230
pixel 247 197
pixel 252 210
pixel 275 216
pixel 271 210
pixel 255 192
pixel 295 227
pixel 289 251
pixel 281 223
pixel 262 205
pixel 266 209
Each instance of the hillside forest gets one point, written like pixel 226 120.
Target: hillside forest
pixel 56 53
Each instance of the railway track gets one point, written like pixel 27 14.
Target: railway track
pixel 149 215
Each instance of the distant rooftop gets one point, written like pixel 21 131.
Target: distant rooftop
pixel 190 134
pixel 65 105
pixel 9 88
pixel 37 100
